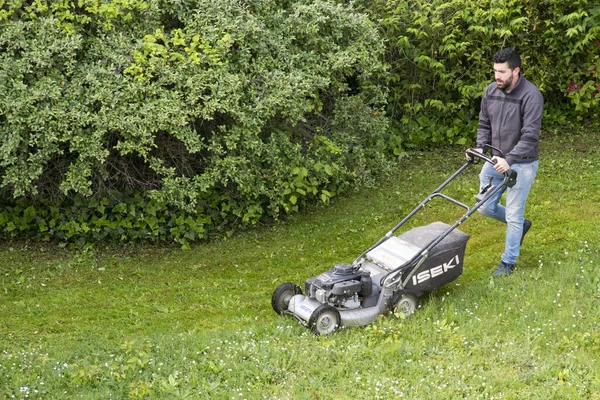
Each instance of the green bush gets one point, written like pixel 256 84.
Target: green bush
pixel 120 218
pixel 226 113
pixel 440 52
pixel 225 110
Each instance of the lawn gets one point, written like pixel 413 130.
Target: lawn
pixel 160 323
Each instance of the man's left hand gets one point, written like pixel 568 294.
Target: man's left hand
pixel 501 164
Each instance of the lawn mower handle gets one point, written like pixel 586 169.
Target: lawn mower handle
pixel 510 179
pixel 472 154
pixel 510 176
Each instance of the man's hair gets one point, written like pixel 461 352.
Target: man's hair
pixel 508 55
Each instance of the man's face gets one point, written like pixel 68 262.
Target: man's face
pixel 506 78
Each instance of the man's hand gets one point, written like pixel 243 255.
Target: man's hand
pixel 501 164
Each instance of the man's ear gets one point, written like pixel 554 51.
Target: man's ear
pixel 517 70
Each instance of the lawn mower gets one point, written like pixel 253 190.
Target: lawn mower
pixel 392 274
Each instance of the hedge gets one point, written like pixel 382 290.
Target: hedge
pixel 167 120
pixel 440 57
pixel 227 111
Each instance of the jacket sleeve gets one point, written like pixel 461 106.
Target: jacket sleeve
pixel 484 128
pixel 527 146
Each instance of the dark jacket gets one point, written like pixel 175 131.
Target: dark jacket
pixel 511 121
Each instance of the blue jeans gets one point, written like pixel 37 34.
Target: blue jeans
pixel 513 213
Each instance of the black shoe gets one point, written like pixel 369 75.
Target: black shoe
pixel 503 270
pixel 526 226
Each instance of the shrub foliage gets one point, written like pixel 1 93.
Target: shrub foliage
pixel 168 119
pixel 440 52
pixel 222 110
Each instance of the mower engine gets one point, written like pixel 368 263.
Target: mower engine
pixel 343 286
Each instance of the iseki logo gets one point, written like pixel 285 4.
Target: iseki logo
pixel 435 271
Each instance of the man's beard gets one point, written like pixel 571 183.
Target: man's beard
pixel 505 85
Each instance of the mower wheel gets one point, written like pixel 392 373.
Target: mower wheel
pixel 324 320
pixel 405 303
pixel 282 295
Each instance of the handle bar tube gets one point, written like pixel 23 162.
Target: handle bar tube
pixel 393 276
pixel 421 205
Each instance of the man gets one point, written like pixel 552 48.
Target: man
pixel 510 120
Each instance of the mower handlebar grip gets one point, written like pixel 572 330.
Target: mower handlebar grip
pixel 472 154
pixel 510 175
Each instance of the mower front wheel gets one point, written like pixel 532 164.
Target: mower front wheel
pixel 324 320
pixel 405 303
pixel 282 295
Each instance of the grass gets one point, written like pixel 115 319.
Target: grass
pixel 159 323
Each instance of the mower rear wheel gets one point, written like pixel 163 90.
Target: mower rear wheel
pixel 405 303
pixel 324 320
pixel 282 295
